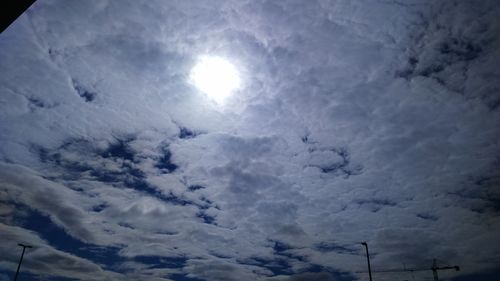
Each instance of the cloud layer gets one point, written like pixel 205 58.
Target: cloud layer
pixel 371 121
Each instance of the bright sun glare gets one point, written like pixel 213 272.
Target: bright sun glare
pixel 216 77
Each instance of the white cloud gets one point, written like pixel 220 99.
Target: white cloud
pixel 355 122
pixel 44 260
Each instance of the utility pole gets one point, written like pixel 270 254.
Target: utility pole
pixel 21 259
pixel 368 259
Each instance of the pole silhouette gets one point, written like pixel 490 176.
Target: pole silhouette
pixel 368 259
pixel 21 259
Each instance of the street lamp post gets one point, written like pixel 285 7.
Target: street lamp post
pixel 21 259
pixel 368 259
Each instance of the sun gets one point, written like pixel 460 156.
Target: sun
pixel 216 77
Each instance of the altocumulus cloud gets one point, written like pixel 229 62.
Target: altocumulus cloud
pixel 356 121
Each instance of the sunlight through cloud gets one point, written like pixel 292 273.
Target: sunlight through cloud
pixel 216 77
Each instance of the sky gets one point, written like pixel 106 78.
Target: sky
pixel 355 121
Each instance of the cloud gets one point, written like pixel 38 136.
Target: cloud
pixel 23 186
pixel 355 122
pixel 45 260
pixel 322 276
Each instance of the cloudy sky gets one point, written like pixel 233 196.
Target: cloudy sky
pixel 354 121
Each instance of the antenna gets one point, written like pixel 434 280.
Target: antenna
pixel 434 269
